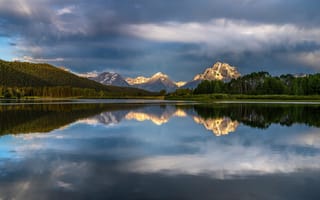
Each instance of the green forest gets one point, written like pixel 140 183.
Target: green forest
pixel 30 118
pixel 262 83
pixel 262 115
pixel 23 79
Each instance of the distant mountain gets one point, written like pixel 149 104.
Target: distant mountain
pixel 159 81
pixel 38 75
pixel 180 83
pixel 109 78
pixel 137 80
pixel 191 84
pixel 156 83
pixel 218 71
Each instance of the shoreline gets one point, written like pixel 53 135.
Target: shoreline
pixel 247 98
pixel 207 98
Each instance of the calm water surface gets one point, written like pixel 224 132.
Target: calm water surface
pixel 158 150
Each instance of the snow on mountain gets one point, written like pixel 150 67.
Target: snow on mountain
pixel 156 83
pixel 218 71
pixel 110 78
pixel 137 80
pixel 160 81
pixel 180 83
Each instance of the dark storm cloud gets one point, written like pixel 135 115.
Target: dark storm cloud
pixel 145 36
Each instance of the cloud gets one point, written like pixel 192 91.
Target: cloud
pixel 38 60
pixel 137 38
pixel 235 158
pixel 226 35
pixel 66 10
pixel 311 59
pixel 88 74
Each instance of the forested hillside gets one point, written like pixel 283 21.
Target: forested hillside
pixel 260 83
pixel 31 79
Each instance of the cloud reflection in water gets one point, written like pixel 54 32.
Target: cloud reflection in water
pixel 162 147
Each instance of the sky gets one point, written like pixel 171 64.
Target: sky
pixel 177 37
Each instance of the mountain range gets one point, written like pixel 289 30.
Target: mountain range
pixel 159 81
pixel 41 75
pixel 110 78
pixel 23 74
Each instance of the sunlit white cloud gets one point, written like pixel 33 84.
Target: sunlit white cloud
pixel 65 10
pixel 110 35
pixel 38 60
pixel 226 34
pixel 88 74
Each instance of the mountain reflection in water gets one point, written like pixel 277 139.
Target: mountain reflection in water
pixel 159 151
pixel 221 119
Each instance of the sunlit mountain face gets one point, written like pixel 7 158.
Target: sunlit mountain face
pixel 219 71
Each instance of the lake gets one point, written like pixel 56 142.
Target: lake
pixel 133 149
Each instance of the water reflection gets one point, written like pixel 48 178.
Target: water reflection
pixel 160 151
pixel 156 118
pixel 221 119
pixel 219 126
pixel 31 118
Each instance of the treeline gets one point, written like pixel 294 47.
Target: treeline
pixel 262 115
pixel 20 92
pixel 24 74
pixel 19 79
pixel 261 83
pixel 40 118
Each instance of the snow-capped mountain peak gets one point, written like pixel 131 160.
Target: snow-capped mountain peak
pixel 110 78
pixel 137 80
pixel 180 83
pixel 219 71
pixel 158 81
pixel 159 75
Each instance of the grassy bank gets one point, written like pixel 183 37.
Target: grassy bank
pixel 200 97
pixel 219 97
pixel 84 97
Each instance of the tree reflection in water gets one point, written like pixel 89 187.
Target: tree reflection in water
pixel 221 119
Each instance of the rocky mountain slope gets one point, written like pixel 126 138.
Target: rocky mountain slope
pixel 218 71
pixel 110 78
pixel 157 82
